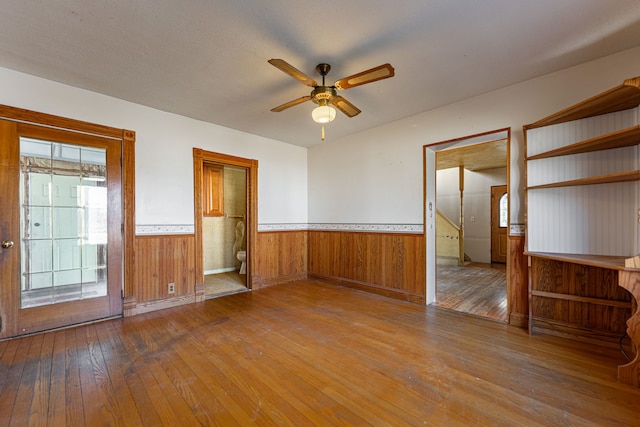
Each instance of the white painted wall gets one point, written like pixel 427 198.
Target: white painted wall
pixel 164 142
pixel 476 206
pixel 373 177
pixel 448 194
pixel 376 176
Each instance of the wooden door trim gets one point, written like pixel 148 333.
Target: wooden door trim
pixel 127 145
pixel 512 288
pixel 9 190
pixel 200 157
pixel 43 119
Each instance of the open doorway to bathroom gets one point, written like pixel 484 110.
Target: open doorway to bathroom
pixel 225 214
pixel 224 229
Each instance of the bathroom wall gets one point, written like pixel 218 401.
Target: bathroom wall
pixel 218 232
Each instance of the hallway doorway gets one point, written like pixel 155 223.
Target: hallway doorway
pixel 461 273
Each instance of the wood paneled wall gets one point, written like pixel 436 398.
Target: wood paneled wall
pixel 160 260
pixel 383 263
pixel 518 283
pixel 595 308
pixel 390 264
pixel 280 256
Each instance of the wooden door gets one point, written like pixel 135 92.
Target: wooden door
pixel 60 225
pixel 499 223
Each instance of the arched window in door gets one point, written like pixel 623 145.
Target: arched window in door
pixel 503 211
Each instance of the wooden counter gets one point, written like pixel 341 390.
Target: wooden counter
pixel 558 269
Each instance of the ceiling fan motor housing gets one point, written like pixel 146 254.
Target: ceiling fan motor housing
pixel 323 94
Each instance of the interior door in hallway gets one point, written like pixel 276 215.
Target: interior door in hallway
pixel 499 223
pixel 61 216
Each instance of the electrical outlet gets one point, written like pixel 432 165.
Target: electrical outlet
pixel 172 288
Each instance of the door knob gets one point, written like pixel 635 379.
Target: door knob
pixel 6 244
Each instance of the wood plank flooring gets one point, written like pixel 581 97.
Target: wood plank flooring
pixel 478 289
pixel 309 353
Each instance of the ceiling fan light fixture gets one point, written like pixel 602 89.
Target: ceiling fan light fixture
pixel 323 113
pixel 324 95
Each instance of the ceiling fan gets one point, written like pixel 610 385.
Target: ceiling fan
pixel 327 96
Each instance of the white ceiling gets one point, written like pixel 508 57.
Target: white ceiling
pixel 207 59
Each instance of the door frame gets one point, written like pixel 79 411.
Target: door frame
pixel 200 157
pixel 429 203
pixel 126 140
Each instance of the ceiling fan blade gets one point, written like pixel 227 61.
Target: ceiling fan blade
pixel 345 106
pixel 291 103
pixel 293 72
pixel 378 73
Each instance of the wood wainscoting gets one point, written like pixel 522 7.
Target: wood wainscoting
pixel 389 264
pixel 281 256
pixel 578 301
pixel 160 260
pixel 518 283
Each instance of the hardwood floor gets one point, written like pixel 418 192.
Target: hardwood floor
pixel 478 289
pixel 309 353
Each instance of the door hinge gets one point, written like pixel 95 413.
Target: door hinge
pixel 122 228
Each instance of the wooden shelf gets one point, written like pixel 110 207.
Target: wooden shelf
pixel 576 298
pixel 601 261
pixel 622 97
pixel 622 138
pixel 592 180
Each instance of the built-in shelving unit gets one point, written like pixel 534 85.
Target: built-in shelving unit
pixel 582 242
pixel 592 180
pixel 622 138
pixel 622 97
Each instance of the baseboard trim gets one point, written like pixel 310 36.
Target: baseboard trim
pixel 371 288
pixel 258 283
pixel 519 320
pixel 134 308
pixel 200 292
pixel 575 332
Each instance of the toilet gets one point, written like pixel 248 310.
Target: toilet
pixel 242 257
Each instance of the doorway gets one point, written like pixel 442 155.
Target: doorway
pixel 62 243
pixel 224 229
pixel 458 222
pixel 225 218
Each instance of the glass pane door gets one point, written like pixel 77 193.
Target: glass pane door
pixel 63 199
